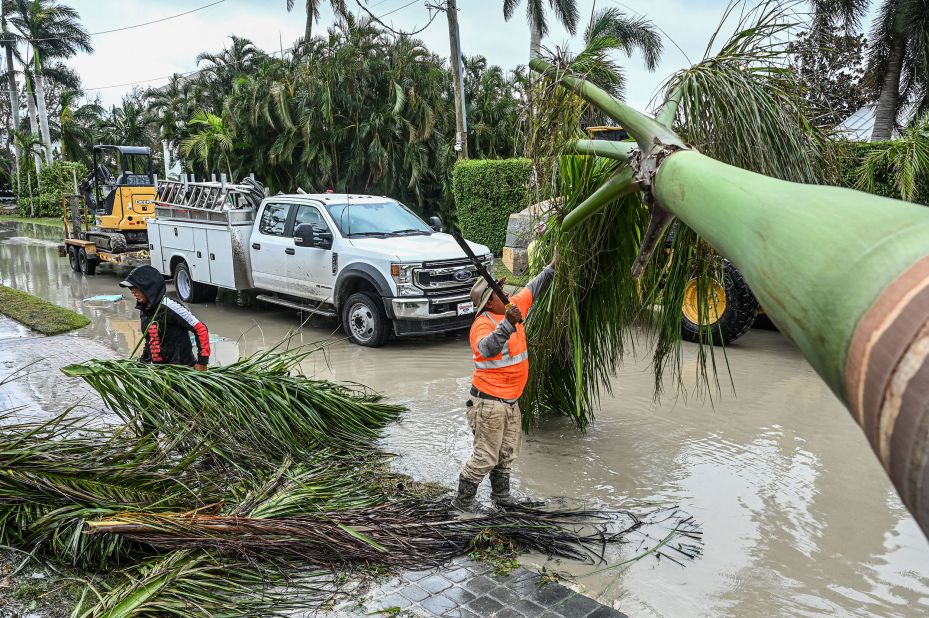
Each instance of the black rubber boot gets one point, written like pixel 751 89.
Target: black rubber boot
pixel 465 500
pixel 500 492
pixel 500 488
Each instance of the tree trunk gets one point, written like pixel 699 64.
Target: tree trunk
pixel 43 117
pixel 535 39
pixel 33 122
pixel 461 124
pixel 863 327
pixel 308 31
pixel 885 115
pixel 14 90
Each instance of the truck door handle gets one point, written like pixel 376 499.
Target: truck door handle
pixel 199 254
pixel 256 245
pixel 212 256
pixel 289 251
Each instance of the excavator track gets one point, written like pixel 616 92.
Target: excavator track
pixel 114 242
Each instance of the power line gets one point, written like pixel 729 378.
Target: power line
pixel 191 72
pixel 148 23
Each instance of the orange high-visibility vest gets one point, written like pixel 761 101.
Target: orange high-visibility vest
pixel 504 375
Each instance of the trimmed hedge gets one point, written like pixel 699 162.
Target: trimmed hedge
pixel 56 180
pixel 487 192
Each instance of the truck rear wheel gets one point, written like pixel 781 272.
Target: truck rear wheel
pixel 189 290
pixel 73 259
pixel 88 265
pixel 730 312
pixel 364 320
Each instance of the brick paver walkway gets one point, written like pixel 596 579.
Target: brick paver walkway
pixel 468 589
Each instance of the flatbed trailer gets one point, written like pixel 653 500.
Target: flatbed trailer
pixel 84 255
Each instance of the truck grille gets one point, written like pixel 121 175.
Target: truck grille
pixel 446 277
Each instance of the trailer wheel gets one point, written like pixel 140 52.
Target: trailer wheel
pixel 189 290
pixel 364 320
pixel 88 265
pixel 73 259
pixel 730 315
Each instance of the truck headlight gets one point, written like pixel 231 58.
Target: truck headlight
pixel 403 276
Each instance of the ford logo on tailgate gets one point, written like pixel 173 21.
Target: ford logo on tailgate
pixel 463 275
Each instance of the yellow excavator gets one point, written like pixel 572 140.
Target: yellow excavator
pixel 107 222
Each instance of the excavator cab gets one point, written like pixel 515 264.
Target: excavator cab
pixel 125 201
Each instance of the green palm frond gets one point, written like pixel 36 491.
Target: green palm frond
pixel 904 161
pixel 256 406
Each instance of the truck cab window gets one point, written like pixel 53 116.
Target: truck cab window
pixel 274 219
pixel 311 215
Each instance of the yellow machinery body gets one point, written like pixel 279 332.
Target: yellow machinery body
pixel 132 208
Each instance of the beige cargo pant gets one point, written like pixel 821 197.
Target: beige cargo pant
pixel 498 437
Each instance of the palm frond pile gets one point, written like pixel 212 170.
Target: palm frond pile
pixel 244 490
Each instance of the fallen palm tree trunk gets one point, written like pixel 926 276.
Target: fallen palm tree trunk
pixel 843 274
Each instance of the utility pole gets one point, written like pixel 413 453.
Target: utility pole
pixel 461 121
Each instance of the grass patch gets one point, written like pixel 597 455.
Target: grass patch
pixel 38 314
pixel 48 221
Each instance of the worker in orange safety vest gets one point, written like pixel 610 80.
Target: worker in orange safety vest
pixel 501 369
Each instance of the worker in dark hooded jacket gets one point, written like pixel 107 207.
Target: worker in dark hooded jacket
pixel 166 323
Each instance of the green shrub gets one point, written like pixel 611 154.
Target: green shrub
pixel 852 158
pixel 487 192
pixel 55 180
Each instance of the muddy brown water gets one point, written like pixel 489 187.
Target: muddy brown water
pixel 798 516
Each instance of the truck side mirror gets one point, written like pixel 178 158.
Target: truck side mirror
pixel 305 235
pixel 435 223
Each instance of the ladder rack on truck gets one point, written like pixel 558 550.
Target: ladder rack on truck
pixel 200 234
pixel 213 202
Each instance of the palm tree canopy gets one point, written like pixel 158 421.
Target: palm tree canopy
pixel 565 11
pixel 54 30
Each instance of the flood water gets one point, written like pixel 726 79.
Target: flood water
pixel 799 519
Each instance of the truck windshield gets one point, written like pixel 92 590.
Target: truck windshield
pixel 377 219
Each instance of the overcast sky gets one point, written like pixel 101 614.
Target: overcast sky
pixel 148 55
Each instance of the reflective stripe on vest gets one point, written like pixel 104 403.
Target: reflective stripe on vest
pixel 505 359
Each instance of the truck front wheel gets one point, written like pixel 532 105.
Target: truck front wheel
pixel 189 290
pixel 364 320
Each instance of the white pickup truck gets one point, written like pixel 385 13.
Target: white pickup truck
pixel 370 261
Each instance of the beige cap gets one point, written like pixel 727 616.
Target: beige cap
pixel 480 294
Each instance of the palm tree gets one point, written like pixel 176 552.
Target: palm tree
pixel 209 141
pixel 565 11
pixel 78 126
pixel 53 31
pixel 312 13
pixel 127 123
pixel 898 58
pixel 9 45
pixel 752 191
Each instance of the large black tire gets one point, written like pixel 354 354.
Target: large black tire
pixel 88 265
pixel 736 319
pixel 73 259
pixel 189 290
pixel 364 320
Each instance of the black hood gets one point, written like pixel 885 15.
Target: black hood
pixel 150 281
